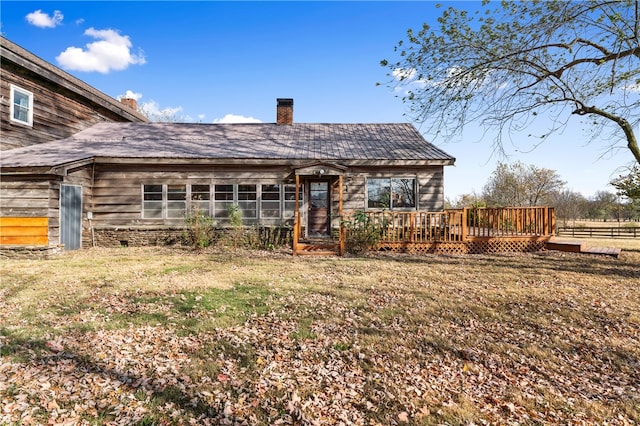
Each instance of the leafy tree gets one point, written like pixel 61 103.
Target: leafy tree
pixel 465 200
pixel 629 185
pixel 504 65
pixel 521 185
pixel 603 205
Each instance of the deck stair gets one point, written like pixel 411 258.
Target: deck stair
pixel 318 247
pixel 573 246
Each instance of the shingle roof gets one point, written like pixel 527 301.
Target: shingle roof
pixel 299 141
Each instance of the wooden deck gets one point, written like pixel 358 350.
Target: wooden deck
pixel 509 229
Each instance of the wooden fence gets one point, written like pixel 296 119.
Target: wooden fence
pixel 600 232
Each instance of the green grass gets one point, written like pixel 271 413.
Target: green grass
pixel 171 335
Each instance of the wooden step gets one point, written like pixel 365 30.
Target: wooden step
pixel 318 249
pixel 607 251
pixel 559 244
pixel 564 245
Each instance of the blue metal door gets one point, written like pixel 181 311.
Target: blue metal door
pixel 71 216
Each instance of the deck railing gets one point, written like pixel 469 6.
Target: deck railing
pixel 511 222
pixel 461 225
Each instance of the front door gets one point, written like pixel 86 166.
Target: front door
pixel 319 208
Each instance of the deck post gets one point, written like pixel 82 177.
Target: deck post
pixel 463 231
pixel 296 218
pixel 341 233
pixel 412 226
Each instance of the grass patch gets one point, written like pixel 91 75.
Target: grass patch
pixel 169 336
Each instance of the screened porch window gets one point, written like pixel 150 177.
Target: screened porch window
pixel 152 202
pixel 172 201
pixel 176 201
pixel 223 198
pixel 391 193
pixel 200 196
pixel 270 201
pixel 248 201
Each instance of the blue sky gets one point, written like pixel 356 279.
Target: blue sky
pixel 208 61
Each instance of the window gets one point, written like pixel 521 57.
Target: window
pixel 152 204
pixel 248 201
pixel 290 200
pixel 176 201
pixel 171 201
pixel 270 201
pixel 223 198
pixel 391 193
pixel 21 106
pixel 200 197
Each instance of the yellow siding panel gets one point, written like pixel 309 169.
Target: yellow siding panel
pixel 23 221
pixel 24 231
pixel 24 240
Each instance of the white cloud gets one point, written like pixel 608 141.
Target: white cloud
pixel 130 94
pixel 111 52
pixel 407 80
pixel 153 111
pixel 43 20
pixel 233 118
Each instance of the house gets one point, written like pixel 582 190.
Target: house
pixel 40 102
pixel 133 183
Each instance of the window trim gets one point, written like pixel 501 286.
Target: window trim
pixel 390 179
pixel 12 109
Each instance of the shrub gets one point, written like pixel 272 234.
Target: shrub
pixel 362 233
pixel 200 228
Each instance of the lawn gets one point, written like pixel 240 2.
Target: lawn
pixel 171 336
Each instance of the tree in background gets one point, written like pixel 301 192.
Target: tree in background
pixel 517 184
pixel 503 66
pixel 603 206
pixel 569 205
pixel 629 186
pixel 466 200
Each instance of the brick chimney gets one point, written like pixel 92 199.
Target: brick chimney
pixel 285 111
pixel 130 102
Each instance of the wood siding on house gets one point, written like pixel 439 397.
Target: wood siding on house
pixel 31 198
pixel 430 195
pixel 116 199
pixel 35 197
pixel 62 104
pixel 57 113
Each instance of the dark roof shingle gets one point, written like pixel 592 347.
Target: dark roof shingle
pixel 300 141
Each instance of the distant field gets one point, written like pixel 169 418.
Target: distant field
pixel 158 336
